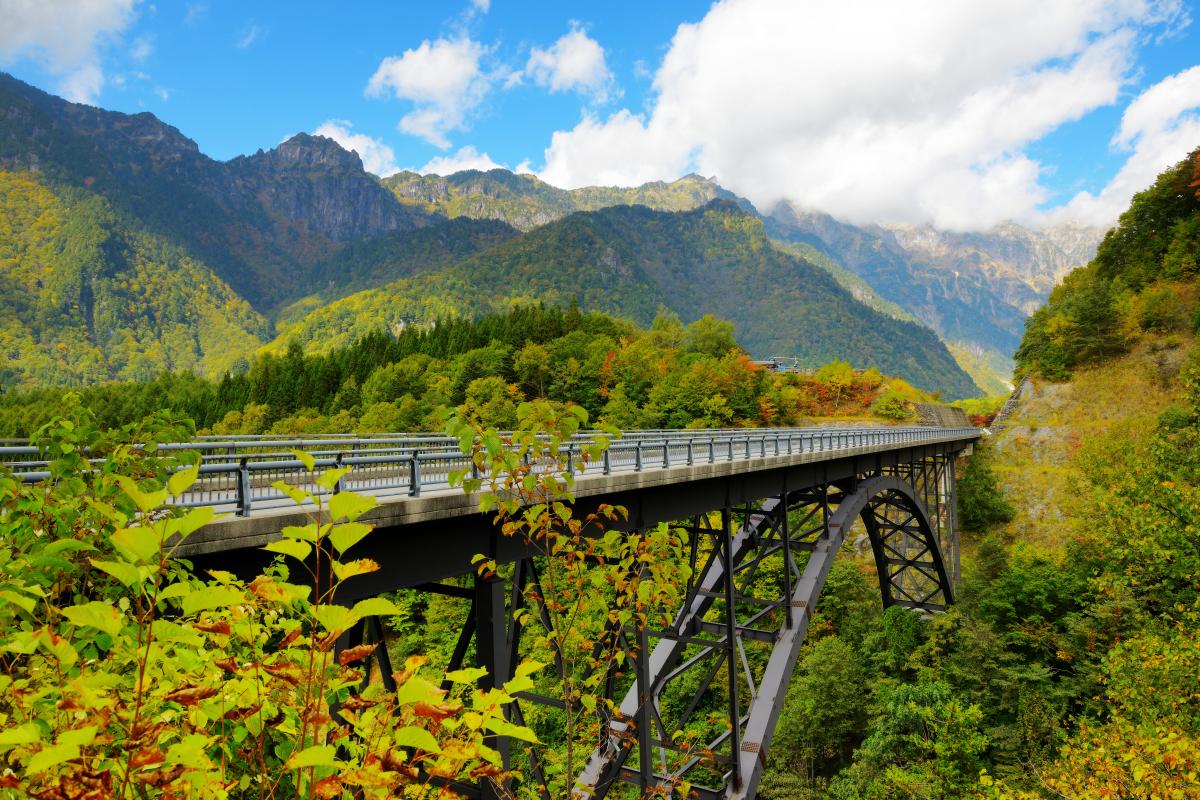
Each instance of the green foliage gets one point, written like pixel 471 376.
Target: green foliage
pixel 925 743
pixel 824 713
pixel 591 572
pixel 1156 239
pixel 710 336
pixel 126 675
pixel 980 501
pixel 982 410
pixel 1079 324
pixel 386 383
pixel 1161 309
pixel 892 405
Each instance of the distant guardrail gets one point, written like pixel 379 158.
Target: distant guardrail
pixel 236 473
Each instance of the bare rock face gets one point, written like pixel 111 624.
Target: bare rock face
pixel 1020 264
pixel 971 287
pixel 313 183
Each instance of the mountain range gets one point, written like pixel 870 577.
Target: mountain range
pixel 975 289
pixel 124 250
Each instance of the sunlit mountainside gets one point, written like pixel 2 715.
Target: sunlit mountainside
pixel 286 232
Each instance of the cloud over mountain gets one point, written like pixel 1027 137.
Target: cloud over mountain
pixel 1158 127
pixel 443 80
pixel 575 62
pixel 900 112
pixel 65 36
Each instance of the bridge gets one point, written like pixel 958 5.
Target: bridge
pixel 764 511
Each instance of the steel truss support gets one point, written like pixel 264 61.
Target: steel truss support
pixel 731 650
pixel 698 703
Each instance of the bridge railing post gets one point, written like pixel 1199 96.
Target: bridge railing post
pixel 666 453
pixel 607 462
pixel 243 488
pixel 637 457
pixel 691 456
pixel 340 486
pixel 414 474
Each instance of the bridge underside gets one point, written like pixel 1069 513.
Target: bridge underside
pixel 700 704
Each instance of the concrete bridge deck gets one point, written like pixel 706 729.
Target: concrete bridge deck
pixel 427 531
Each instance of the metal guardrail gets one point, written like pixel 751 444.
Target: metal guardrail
pixel 236 473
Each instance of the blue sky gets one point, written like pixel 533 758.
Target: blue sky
pixel 893 112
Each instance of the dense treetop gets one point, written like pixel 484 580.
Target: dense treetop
pixel 90 295
pixel 669 375
pixel 1143 279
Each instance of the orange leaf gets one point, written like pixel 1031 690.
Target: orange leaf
pixel 327 788
pixel 189 695
pixel 356 653
pixel 436 712
pixel 146 756
pixel 285 672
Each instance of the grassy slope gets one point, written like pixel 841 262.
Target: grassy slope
pixel 1040 446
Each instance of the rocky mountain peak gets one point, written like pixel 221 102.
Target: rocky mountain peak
pixel 306 152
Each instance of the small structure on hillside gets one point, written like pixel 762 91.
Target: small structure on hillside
pixel 936 415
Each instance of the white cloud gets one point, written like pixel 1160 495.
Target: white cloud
pixel 195 14
pixel 83 85
pixel 909 111
pixel 481 5
pixel 573 63
pixel 1158 129
pixel 142 48
pixel 162 93
pixel 465 158
pixel 376 156
pixel 442 79
pixel 248 37
pixel 65 36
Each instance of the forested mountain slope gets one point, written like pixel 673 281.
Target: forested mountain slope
pixel 1142 281
pixel 301 225
pixel 391 256
pixel 260 221
pixel 89 295
pixel 629 260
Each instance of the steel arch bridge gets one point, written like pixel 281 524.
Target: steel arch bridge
pixel 764 512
